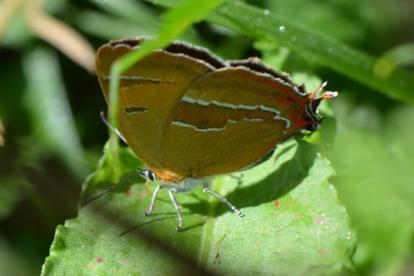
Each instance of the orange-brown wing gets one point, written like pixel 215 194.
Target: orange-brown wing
pixel 231 118
pixel 150 92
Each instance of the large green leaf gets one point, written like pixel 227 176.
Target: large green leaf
pixel 293 224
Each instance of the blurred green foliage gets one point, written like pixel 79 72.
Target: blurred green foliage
pixel 49 107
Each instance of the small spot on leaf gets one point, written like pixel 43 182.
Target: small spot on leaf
pixel 319 220
pixel 128 192
pixel 99 259
pixel 322 251
pixel 298 214
pixel 144 193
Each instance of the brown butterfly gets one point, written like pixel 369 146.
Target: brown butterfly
pixel 188 114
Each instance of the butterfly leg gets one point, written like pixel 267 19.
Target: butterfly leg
pixel 224 200
pixel 177 207
pixel 154 197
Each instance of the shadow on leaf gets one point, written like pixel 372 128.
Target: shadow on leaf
pixel 278 183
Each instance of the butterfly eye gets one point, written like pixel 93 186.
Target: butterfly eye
pixel 147 174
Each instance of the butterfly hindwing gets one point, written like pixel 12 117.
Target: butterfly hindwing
pixel 231 118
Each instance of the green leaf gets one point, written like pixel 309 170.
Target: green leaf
pixel 308 43
pixel 125 18
pixel 48 105
pixel 315 14
pixel 109 27
pixel 373 157
pixel 398 56
pixel 293 224
pixel 11 263
pixel 129 9
pixel 12 189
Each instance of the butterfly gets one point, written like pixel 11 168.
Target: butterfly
pixel 189 115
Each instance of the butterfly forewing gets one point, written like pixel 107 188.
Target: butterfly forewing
pixel 150 92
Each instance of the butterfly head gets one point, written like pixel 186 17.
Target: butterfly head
pixel 147 174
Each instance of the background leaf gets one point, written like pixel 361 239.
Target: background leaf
pixel 374 161
pixel 55 125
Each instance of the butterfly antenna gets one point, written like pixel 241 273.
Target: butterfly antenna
pixel 122 181
pixel 317 90
pixel 329 95
pixel 105 121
